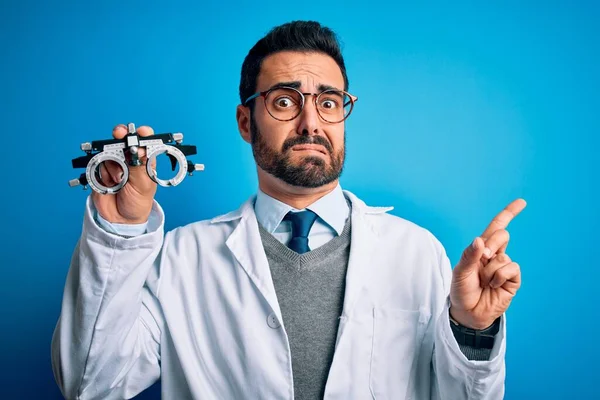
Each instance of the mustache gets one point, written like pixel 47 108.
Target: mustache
pixel 320 140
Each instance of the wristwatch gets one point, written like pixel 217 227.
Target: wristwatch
pixel 476 338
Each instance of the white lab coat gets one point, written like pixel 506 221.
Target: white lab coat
pixel 199 310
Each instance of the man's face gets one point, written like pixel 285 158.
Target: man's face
pixel 306 151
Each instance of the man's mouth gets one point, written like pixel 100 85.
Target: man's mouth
pixel 310 147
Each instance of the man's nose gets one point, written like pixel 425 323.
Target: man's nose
pixel 309 120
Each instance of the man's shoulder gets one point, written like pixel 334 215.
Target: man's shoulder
pixel 387 224
pixel 393 221
pixel 221 224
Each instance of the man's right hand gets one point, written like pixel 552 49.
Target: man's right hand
pixel 133 203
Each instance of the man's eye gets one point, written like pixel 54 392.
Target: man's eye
pixel 329 104
pixel 284 102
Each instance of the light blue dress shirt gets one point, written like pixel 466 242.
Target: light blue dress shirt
pixel 332 211
pixel 125 230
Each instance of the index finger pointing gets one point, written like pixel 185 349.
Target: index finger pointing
pixel 502 220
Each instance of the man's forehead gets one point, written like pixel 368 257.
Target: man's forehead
pixel 308 68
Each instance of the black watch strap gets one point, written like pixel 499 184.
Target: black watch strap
pixel 476 338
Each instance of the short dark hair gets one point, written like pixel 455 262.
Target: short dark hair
pixel 306 36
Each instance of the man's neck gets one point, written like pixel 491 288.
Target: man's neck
pixel 296 197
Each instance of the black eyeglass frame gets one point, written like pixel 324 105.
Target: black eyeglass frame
pixel 265 93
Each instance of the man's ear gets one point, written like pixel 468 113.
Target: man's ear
pixel 242 115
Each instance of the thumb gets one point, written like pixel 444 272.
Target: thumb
pixel 471 256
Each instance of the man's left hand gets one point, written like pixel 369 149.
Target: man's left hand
pixel 485 280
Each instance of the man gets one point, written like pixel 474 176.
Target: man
pixel 304 292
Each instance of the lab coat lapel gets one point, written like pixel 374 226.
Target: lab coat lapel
pixel 361 269
pixel 246 245
pixel 364 237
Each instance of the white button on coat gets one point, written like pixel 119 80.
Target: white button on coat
pixel 273 322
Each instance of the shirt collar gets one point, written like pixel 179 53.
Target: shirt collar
pixel 331 208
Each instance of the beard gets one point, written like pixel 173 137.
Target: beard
pixel 309 172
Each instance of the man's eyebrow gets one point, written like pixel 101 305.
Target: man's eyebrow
pixel 296 85
pixel 322 87
pixel 292 84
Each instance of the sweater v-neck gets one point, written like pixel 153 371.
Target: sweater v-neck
pixel 284 253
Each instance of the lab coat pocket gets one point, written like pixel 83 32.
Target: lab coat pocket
pixel 397 338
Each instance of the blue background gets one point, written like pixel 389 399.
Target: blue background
pixel 463 107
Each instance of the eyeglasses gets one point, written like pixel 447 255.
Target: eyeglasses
pixel 286 103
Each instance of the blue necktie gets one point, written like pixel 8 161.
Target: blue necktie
pixel 301 224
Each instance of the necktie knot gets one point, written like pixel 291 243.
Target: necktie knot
pixel 301 224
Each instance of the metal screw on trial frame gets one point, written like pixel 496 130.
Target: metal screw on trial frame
pixel 197 167
pixel 133 150
pixel 74 182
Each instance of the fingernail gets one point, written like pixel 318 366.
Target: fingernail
pixel 119 177
pixel 487 252
pixel 474 244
